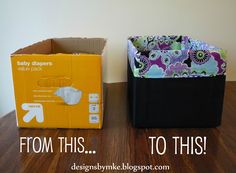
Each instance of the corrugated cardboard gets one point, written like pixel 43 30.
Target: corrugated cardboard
pixel 40 70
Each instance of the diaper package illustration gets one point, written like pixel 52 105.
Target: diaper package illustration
pixel 58 83
pixel 70 95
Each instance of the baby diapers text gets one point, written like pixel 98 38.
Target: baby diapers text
pixel 34 63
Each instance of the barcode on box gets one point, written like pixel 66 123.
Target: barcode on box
pixel 93 118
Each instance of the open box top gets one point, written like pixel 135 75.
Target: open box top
pixel 174 56
pixel 66 46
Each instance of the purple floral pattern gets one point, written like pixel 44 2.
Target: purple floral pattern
pixel 177 70
pixel 174 56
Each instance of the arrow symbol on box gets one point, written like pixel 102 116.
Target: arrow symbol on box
pixel 34 110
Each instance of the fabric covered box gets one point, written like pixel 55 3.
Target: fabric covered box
pixel 175 81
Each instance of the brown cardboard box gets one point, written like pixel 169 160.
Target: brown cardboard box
pixel 58 83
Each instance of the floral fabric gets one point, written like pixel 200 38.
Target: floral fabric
pixel 174 56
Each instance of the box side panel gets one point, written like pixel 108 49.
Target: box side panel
pixel 36 78
pixel 58 91
pixel 86 75
pixel 185 102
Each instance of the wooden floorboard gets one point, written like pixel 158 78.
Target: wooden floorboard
pixel 118 142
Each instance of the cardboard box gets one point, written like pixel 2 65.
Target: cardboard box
pixel 58 83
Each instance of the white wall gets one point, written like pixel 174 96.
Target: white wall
pixel 27 21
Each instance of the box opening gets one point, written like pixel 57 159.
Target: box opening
pixel 66 46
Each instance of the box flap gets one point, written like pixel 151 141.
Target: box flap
pixel 42 47
pixel 66 46
pixel 78 45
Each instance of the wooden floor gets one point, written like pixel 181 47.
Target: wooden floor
pixel 119 142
